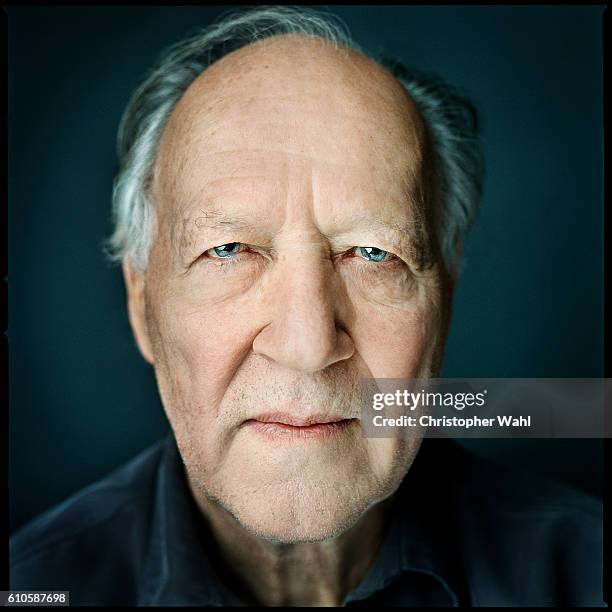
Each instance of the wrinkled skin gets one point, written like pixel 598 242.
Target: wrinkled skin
pixel 299 153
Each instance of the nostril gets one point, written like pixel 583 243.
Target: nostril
pixel 303 348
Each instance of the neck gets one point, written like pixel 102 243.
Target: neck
pixel 303 573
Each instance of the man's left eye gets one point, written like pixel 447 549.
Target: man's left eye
pixel 372 253
pixel 224 251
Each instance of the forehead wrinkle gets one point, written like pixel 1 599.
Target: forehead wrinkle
pixel 254 175
pixel 415 230
pixel 184 142
pixel 182 154
pixel 222 85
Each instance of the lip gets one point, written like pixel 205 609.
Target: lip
pixel 289 427
pixel 286 418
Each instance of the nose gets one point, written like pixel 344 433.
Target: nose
pixel 303 332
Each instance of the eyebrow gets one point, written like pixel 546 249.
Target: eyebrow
pixel 412 234
pixel 210 219
pixel 362 221
pixel 215 219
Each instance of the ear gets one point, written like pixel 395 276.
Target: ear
pixel 136 302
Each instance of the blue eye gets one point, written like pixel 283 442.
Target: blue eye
pixel 227 250
pixel 372 253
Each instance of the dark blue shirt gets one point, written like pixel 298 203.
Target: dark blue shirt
pixel 462 532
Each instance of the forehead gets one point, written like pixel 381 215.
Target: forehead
pixel 291 105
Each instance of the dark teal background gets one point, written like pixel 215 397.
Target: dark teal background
pixel 529 302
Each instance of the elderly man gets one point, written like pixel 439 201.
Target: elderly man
pixel 289 216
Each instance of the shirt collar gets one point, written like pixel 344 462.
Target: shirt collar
pixel 421 539
pixel 418 541
pixel 177 569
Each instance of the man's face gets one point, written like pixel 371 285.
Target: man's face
pixel 280 167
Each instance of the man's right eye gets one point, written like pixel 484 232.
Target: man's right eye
pixel 225 251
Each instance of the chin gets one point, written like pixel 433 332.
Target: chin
pixel 304 512
pixel 292 521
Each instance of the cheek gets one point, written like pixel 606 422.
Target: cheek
pixel 216 281
pixel 199 348
pixel 397 343
pixel 396 319
pixel 390 458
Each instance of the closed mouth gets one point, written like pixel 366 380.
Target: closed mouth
pixel 282 418
pixel 290 427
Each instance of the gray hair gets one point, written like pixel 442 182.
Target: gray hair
pixel 449 117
